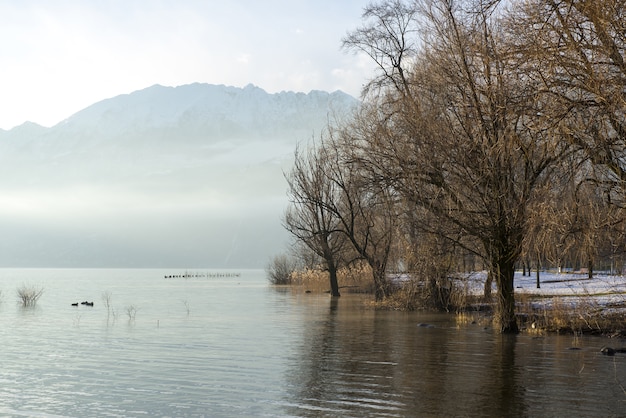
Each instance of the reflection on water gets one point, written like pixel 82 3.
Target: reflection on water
pixel 237 347
pixel 360 362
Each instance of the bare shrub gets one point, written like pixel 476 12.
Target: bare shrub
pixel 106 298
pixel 29 295
pixel 407 296
pixel 131 311
pixel 412 294
pixel 279 269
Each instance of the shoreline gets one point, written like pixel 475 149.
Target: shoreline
pixel 570 303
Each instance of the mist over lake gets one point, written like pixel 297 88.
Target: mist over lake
pixel 187 176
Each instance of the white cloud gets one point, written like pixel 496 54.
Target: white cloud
pixel 244 59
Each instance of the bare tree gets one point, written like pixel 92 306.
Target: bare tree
pixel 467 143
pixel 309 218
pixel 366 207
pixel 577 49
pixel 338 212
pixel 388 38
pixel 596 224
pixel 579 54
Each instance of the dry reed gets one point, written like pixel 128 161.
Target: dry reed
pixel 357 279
pixel 580 314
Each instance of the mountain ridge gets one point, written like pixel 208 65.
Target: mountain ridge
pixel 193 91
pixel 117 183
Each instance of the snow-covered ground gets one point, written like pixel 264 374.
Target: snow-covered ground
pixel 602 290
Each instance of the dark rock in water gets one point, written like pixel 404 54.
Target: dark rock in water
pixel 307 291
pixel 574 348
pixel 424 325
pixel 75 304
pixel 607 351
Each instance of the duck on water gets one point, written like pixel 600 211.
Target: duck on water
pixel 83 303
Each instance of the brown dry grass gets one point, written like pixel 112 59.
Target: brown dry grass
pixel 404 298
pixel 453 295
pixel 563 314
pixel 351 280
pixel 536 313
pixel 411 295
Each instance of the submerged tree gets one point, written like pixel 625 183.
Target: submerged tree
pixel 309 218
pixel 338 213
pixel 485 120
pixel 29 295
pixel 465 143
pixel 365 207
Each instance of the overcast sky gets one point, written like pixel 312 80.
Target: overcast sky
pixel 60 56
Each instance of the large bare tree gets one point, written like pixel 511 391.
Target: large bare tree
pixel 340 214
pixel 579 52
pixel 309 218
pixel 366 209
pixel 468 143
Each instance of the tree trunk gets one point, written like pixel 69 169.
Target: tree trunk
pixel 488 283
pixel 334 284
pixel 504 272
pixel 381 286
pixel 433 293
pixel 538 281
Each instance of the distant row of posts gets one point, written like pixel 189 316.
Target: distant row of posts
pixel 210 275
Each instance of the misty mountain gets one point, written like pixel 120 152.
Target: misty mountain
pixel 185 177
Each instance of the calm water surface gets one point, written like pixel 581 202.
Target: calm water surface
pixel 233 346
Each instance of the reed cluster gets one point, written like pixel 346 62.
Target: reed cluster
pixel 569 314
pixel 413 294
pixel 356 279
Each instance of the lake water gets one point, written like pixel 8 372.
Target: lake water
pixel 234 346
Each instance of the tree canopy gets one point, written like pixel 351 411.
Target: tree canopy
pixel 496 127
